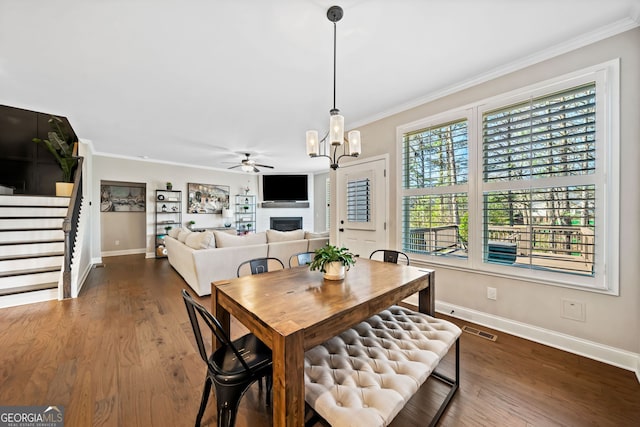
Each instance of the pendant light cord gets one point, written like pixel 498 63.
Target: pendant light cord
pixel 334 66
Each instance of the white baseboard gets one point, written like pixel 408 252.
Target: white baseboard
pixel 28 297
pixel 125 252
pixel 82 278
pixel 613 356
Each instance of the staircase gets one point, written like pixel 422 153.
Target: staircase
pixel 31 243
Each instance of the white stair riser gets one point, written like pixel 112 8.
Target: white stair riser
pixel 32 249
pixel 28 279
pixel 33 201
pixel 30 236
pixel 29 263
pixel 27 223
pixel 8 212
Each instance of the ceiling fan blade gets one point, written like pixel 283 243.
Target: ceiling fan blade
pixel 233 167
pixel 256 170
pixel 264 166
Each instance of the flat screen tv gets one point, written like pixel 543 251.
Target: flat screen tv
pixel 284 188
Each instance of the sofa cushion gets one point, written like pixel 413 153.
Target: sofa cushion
pixel 310 235
pixel 200 240
pixel 174 232
pixel 182 236
pixel 225 240
pixel 284 236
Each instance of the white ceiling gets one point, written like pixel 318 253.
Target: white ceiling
pixel 197 81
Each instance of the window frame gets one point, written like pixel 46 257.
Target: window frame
pixel 606 177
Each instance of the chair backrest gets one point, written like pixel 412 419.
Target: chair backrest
pixel 390 255
pixel 259 265
pixel 214 325
pixel 303 258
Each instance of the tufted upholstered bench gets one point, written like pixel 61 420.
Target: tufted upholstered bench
pixel 366 375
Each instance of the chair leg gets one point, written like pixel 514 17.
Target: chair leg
pixel 203 402
pixel 269 393
pixel 228 400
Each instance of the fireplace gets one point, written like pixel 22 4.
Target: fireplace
pixel 285 223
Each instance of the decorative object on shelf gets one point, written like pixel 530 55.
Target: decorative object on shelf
pixel 123 198
pixel 207 198
pixel 167 228
pixel 160 196
pixel 64 149
pixel 227 215
pixel 161 251
pixel 334 137
pixel 332 261
pixel 169 186
pixel 246 190
pixel 164 208
pixel 190 224
pixel 249 165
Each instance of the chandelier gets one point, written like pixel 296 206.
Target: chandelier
pixel 334 137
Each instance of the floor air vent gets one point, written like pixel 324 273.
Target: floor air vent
pixel 483 334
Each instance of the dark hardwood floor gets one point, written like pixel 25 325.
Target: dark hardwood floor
pixel 122 354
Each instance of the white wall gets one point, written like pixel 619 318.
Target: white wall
pixel 611 321
pixel 155 175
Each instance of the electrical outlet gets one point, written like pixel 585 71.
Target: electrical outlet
pixel 574 310
pixel 117 242
pixel 492 293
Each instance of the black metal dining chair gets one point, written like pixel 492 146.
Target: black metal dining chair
pixel 303 258
pixel 232 368
pixel 390 255
pixel 259 265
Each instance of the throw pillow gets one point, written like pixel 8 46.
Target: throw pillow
pixel 174 232
pixel 284 236
pixel 310 235
pixel 182 236
pixel 226 240
pixel 200 240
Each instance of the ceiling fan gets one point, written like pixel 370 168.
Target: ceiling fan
pixel 249 165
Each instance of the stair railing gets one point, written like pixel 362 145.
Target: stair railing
pixel 70 228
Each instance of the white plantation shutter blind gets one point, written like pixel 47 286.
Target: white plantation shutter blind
pixel 539 182
pixel 359 200
pixel 434 202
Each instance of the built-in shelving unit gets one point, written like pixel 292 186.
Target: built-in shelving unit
pixel 245 212
pixel 168 216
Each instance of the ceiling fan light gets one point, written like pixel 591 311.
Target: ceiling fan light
pixel 336 129
pixel 354 143
pixel 247 168
pixel 313 147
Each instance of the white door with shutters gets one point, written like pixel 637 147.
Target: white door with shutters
pixel 361 198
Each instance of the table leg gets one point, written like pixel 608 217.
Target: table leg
pixel 288 380
pixel 427 296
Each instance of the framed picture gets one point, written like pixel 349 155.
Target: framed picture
pixel 122 198
pixel 207 198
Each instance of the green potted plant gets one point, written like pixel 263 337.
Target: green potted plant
pixel 190 224
pixel 166 229
pixel 332 261
pixel 60 144
pixel 169 186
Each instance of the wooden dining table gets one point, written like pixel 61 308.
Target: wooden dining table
pixel 295 309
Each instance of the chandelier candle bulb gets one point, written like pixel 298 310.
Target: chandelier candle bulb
pixel 354 143
pixel 336 124
pixel 313 148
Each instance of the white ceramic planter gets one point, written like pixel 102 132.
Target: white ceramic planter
pixel 335 271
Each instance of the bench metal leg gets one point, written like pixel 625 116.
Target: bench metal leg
pixel 454 383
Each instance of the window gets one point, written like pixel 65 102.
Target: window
pixel 516 184
pixel 358 200
pixel 435 205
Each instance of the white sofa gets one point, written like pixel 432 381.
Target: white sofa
pixel 205 257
